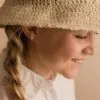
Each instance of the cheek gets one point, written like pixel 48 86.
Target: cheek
pixel 51 48
pixel 68 51
pixel 73 48
pixel 60 49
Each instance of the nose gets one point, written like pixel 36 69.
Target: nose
pixel 89 49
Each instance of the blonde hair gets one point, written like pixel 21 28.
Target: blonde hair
pixel 15 48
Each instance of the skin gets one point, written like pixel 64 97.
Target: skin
pixel 52 50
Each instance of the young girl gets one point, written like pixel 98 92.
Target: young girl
pixel 48 40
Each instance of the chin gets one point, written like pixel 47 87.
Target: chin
pixel 70 75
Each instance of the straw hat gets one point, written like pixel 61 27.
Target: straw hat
pixel 66 14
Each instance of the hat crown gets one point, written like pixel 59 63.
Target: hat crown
pixel 67 14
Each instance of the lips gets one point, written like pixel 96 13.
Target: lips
pixel 79 61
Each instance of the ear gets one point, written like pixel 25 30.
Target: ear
pixel 29 32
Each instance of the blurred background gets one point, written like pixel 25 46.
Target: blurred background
pixel 87 83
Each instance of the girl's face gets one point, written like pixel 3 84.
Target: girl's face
pixel 63 50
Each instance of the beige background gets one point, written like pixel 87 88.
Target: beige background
pixel 1 2
pixel 3 39
pixel 88 81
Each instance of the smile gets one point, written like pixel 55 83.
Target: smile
pixel 79 61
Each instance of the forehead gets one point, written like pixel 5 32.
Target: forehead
pixel 80 32
pixel 85 32
pixel 60 30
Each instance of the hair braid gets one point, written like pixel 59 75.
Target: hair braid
pixel 14 48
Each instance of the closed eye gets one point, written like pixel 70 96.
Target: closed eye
pixel 81 37
pixel 97 33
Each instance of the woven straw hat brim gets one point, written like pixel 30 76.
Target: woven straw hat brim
pixel 74 16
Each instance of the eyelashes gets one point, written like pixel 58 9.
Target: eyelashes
pixel 81 37
pixel 84 36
